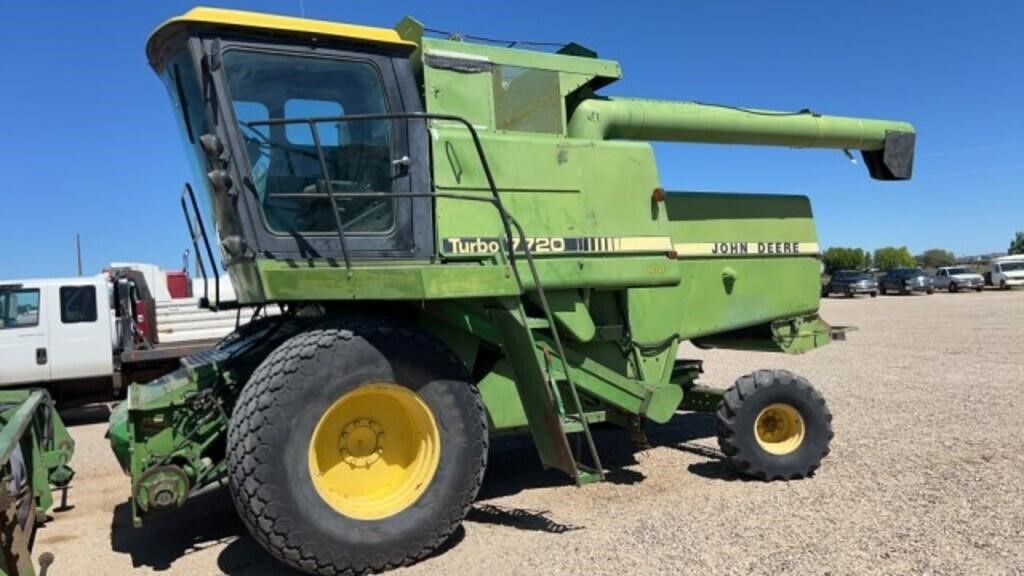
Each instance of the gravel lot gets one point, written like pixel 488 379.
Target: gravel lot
pixel 925 476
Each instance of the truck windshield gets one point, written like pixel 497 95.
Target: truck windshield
pixel 286 170
pixel 953 271
pixel 1011 266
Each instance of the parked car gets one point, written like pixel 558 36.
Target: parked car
pixel 957 278
pixel 850 283
pixel 905 281
pixel 1007 271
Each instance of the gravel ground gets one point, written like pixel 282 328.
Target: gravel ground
pixel 924 476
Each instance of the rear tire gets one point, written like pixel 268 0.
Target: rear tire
pixel 874 294
pixel 318 385
pixel 774 425
pixel 953 287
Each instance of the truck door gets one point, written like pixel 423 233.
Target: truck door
pixel 80 332
pixel 24 356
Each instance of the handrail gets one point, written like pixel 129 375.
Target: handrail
pixel 196 232
pixel 425 116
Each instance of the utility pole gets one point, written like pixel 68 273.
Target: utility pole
pixel 78 251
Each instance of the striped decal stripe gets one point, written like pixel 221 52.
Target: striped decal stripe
pixel 559 244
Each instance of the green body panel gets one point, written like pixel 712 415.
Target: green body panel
pixel 505 411
pixel 321 280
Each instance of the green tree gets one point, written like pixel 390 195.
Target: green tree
pixel 1017 244
pixel 936 258
pixel 889 257
pixel 841 258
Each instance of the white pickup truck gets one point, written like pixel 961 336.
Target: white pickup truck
pixel 1007 271
pixel 89 336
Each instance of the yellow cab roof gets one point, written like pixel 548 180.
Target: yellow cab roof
pixel 275 23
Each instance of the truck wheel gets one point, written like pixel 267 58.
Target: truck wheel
pixel 1003 286
pixel 979 289
pixel 953 287
pixel 356 446
pixel 774 425
pixel 874 294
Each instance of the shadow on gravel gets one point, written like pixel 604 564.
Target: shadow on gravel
pixel 245 557
pixel 514 466
pixel 519 518
pixel 205 520
pixel 681 431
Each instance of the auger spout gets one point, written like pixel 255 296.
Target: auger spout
pixel 887 146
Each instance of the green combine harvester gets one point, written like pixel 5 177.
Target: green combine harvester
pixel 466 241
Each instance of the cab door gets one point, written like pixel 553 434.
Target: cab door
pixel 24 353
pixel 80 329
pixel 289 105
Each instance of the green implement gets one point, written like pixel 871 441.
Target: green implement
pixel 35 449
pixel 466 241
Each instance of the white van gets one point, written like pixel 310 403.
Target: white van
pixel 56 329
pixel 1007 271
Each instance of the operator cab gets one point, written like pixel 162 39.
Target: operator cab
pixel 289 129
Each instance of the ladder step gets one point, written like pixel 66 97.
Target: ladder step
pixel 571 422
pixel 537 323
pixel 587 474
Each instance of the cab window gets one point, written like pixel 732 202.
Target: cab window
pixel 77 304
pixel 19 308
pixel 304 97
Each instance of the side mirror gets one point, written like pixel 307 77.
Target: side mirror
pixel 211 145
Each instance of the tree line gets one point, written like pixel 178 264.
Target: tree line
pixel 889 257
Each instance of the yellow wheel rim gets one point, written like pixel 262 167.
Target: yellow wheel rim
pixel 779 429
pixel 374 451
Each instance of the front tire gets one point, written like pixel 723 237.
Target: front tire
pixel 356 446
pixel 774 425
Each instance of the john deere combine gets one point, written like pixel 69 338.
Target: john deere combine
pixel 467 241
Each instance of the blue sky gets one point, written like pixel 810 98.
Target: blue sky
pixel 89 144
